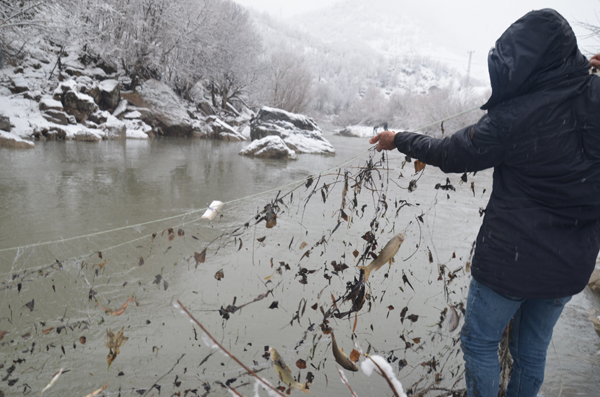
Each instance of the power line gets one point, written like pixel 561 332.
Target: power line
pixel 469 68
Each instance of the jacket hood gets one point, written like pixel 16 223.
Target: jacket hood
pixel 538 48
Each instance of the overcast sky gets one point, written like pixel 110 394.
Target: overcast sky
pixel 475 23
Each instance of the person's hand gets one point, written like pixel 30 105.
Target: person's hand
pixel 595 61
pixel 384 140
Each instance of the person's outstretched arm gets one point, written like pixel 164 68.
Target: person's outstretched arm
pixel 473 148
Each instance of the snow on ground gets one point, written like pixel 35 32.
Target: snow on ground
pixel 246 131
pixel 24 114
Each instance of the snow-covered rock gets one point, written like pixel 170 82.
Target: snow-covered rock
pixel 137 129
pixel 89 135
pixel 107 65
pixel 79 105
pixel 136 134
pixel 10 140
pixel 110 94
pixel 206 108
pixel 167 115
pixel 121 107
pixel 357 131
pixel 201 129
pixel 270 147
pixel 47 103
pixel 133 115
pixel 299 132
pixel 19 84
pixel 56 116
pixel 114 128
pixel 222 130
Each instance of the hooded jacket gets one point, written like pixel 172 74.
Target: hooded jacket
pixel 540 235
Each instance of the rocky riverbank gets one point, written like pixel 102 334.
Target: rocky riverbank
pixel 92 100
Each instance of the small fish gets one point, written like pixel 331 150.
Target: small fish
pixel 52 381
pixel 386 255
pixel 340 357
pixel 96 392
pixel 285 374
pixel 118 312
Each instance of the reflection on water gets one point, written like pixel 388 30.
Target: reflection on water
pixel 66 189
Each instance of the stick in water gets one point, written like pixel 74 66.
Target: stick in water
pixel 264 382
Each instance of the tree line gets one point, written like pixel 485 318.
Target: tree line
pixel 233 54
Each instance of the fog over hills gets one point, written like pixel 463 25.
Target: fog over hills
pixel 370 61
pixel 395 29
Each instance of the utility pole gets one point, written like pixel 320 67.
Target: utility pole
pixel 469 68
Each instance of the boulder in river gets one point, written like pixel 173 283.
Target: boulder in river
pixel 165 111
pixel 269 147
pixel 300 133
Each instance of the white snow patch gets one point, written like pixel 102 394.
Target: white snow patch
pixel 120 108
pixel 314 144
pixel 49 103
pixel 4 91
pixel 133 115
pixel 65 86
pixel 24 115
pixel 246 132
pixel 137 125
pixel 84 97
pixel 292 116
pixel 136 134
pixel 108 85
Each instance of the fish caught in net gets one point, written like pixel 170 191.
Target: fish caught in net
pixel 366 256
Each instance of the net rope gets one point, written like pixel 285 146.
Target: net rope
pixel 277 269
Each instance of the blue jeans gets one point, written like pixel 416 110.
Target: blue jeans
pixel 488 313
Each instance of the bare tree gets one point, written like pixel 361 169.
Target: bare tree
pixel 232 57
pixel 290 82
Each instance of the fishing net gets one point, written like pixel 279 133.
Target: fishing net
pixel 99 313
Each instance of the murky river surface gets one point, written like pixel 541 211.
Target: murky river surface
pixel 59 299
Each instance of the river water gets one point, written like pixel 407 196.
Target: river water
pixel 84 227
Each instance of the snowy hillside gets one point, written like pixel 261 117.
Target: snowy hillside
pixel 400 28
pixel 371 63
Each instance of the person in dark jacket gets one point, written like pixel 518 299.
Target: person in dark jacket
pixel 540 236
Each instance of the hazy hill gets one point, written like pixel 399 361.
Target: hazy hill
pixel 353 48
